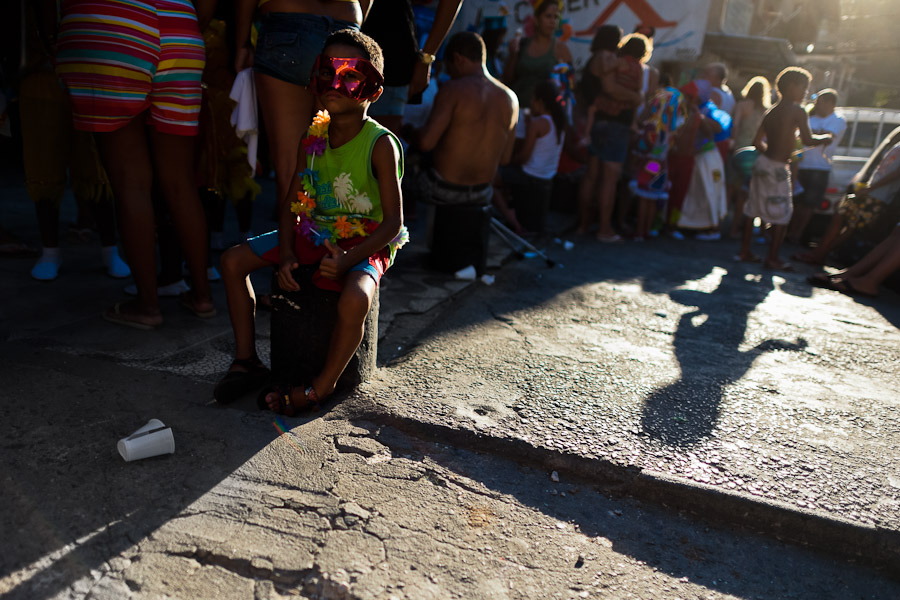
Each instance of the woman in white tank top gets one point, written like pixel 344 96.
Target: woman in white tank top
pixel 531 184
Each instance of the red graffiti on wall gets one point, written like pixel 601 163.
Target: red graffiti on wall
pixel 645 13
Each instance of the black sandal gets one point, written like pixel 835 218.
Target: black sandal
pixel 286 405
pixel 237 383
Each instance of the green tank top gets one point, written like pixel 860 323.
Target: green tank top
pixel 347 197
pixel 531 70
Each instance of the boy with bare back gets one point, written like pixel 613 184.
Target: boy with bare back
pixel 770 188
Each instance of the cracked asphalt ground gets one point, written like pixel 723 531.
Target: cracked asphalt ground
pixel 485 461
pixel 341 508
pixel 691 366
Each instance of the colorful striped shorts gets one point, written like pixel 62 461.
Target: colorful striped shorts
pixel 119 58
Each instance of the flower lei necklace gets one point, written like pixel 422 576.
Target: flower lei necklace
pixel 318 228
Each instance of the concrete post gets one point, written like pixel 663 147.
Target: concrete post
pixel 302 323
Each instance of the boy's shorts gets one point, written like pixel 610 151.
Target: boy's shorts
pixel 289 43
pixel 770 192
pixel 265 246
pixel 119 59
pixel 859 210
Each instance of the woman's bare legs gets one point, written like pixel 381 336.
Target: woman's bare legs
pixel 126 157
pixel 173 157
pixel 587 191
pixel 611 173
pixel 287 111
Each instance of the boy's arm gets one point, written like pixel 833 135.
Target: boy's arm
pixel 758 142
pixel 385 162
pixel 806 136
pixel 439 118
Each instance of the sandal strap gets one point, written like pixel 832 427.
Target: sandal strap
pixel 312 397
pixel 248 363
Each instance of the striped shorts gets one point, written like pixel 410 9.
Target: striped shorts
pixel 119 58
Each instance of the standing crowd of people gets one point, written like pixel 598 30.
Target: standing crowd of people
pixel 142 121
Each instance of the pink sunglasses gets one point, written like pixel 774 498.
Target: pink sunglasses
pixel 355 78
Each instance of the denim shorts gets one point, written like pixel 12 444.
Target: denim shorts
pixel 392 101
pixel 610 141
pixel 289 43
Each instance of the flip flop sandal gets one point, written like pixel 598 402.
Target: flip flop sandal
pixel 186 303
pixel 237 383
pixel 820 280
pixel 845 287
pixel 115 315
pixel 286 406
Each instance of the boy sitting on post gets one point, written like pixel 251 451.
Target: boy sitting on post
pixel 343 212
pixel 770 188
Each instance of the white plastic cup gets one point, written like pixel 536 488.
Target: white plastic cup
pixel 153 439
pixel 467 274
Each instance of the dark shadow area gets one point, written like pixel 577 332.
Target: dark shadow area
pixel 70 502
pixel 723 559
pixel 709 355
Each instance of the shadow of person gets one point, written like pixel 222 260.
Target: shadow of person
pixel 707 345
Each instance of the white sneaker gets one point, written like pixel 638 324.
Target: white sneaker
pixel 165 291
pixel 45 270
pixel 117 269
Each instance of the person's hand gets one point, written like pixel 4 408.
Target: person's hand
pixel 285 279
pixel 332 265
pixel 243 58
pixel 420 79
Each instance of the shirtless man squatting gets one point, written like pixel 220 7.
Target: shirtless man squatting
pixel 471 128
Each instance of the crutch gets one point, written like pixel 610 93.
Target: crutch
pixel 516 242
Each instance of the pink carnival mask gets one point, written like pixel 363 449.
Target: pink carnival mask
pixel 355 78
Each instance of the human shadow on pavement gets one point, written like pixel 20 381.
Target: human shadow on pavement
pixel 70 502
pixel 707 345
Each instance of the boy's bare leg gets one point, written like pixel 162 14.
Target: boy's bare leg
pixel 746 255
pixel 237 263
pixel 772 260
pixel 353 306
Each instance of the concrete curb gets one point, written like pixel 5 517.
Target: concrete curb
pixel 875 547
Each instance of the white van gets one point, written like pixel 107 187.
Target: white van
pixel 866 128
